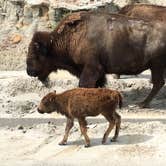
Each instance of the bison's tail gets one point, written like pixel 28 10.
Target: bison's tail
pixel 120 102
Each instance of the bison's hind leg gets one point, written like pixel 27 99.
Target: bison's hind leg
pixel 117 123
pixel 158 82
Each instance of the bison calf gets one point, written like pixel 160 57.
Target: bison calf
pixel 82 102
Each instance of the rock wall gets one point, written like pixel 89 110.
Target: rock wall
pixel 45 13
pixel 20 18
pixel 23 13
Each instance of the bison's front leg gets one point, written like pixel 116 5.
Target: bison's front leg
pixel 91 76
pixel 158 82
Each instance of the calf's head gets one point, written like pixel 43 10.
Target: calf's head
pixel 48 103
pixel 39 60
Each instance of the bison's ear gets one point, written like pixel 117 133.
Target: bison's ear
pixel 55 91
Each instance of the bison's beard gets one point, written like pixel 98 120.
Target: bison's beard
pixel 44 80
pixel 33 73
pixel 41 75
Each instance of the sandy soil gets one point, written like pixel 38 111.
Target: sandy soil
pixel 30 139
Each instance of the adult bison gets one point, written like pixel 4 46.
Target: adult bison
pixel 89 45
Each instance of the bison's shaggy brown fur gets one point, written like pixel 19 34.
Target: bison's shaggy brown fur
pixel 90 45
pixel 145 11
pixel 82 102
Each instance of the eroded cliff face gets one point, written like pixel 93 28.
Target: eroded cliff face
pixel 44 14
pixel 19 19
pixel 21 13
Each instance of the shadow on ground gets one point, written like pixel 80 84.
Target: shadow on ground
pixel 122 140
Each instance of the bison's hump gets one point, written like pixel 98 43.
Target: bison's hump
pixel 70 19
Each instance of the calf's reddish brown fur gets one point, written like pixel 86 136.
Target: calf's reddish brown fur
pixel 82 102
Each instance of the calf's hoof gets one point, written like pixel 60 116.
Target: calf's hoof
pixel 113 139
pixel 62 143
pixel 103 142
pixel 87 145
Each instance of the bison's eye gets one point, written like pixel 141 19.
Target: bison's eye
pixel 40 48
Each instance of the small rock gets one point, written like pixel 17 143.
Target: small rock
pixel 11 129
pixel 24 131
pixel 132 106
pixel 91 126
pixel 20 128
pixel 16 39
pixel 31 127
pixel 75 129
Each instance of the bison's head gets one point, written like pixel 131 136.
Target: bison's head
pixel 48 103
pixel 39 60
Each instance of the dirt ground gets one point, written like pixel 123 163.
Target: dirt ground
pixel 28 138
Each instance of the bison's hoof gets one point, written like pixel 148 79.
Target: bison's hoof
pixel 62 143
pixel 87 145
pixel 143 105
pixel 113 139
pixel 116 76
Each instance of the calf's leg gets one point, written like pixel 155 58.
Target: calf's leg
pixel 83 128
pixel 117 123
pixel 111 120
pixel 69 125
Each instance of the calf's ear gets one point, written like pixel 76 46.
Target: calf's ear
pixel 52 99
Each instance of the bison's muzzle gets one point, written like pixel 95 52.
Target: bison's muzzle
pixel 32 73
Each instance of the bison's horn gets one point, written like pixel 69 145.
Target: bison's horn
pixel 36 44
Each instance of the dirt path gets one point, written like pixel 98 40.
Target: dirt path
pixel 141 142
pixel 30 139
